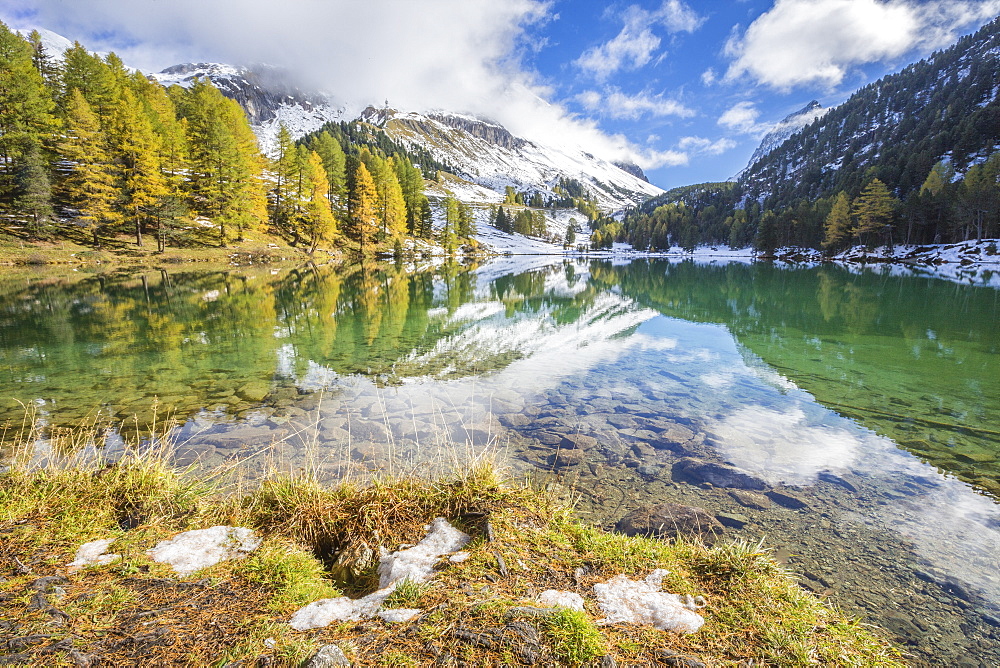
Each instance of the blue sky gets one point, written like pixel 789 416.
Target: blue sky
pixel 683 88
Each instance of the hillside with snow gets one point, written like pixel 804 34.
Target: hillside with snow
pixel 783 130
pixel 265 93
pixel 488 155
pixel 945 107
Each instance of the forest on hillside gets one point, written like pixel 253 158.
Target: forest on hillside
pixel 911 158
pixel 88 145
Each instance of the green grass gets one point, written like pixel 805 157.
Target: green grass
pixel 574 637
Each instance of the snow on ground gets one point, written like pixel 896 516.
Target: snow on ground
pixel 626 601
pixel 552 598
pixel 194 550
pixel 415 564
pixel 970 262
pixel 93 553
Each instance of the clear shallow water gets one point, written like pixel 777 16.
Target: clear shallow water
pixel 873 397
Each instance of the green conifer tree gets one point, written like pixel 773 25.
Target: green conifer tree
pixel 335 165
pixel 426 226
pixel 26 106
pixel 34 190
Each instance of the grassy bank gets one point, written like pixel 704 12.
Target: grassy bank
pixel 321 542
pixel 121 251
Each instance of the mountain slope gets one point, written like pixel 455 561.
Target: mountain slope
pixel 784 129
pixel 944 107
pixel 265 94
pixel 487 154
pixel 484 153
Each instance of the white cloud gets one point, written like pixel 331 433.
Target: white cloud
pixel 708 77
pixel 741 118
pixel 701 145
pixel 460 55
pixel 636 44
pixel 616 104
pixel 800 42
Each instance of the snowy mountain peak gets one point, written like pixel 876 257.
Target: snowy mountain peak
pixel 489 156
pixel 781 131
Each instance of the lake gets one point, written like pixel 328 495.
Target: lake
pixel 866 400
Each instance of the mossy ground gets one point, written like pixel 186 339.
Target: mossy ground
pixel 137 612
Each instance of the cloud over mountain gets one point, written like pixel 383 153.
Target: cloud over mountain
pixel 460 55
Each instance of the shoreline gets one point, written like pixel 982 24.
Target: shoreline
pixel 483 608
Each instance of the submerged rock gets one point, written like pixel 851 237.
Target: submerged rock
pixel 734 520
pixel 750 499
pixel 668 520
pixel 787 500
pixel 581 441
pixel 720 475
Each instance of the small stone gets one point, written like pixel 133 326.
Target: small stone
pixel 902 626
pixel 668 520
pixel 669 658
pixel 515 420
pixel 650 470
pixel 734 520
pixel 579 441
pixel 254 391
pixel 566 458
pixel 750 499
pixel 787 500
pixel 327 657
pixel 548 437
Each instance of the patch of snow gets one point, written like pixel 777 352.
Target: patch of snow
pixel 553 598
pixel 459 557
pixel 194 550
pixel 94 553
pixel 398 614
pixel 626 601
pixel 415 563
pixel 343 609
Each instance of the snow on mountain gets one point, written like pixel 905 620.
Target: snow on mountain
pixel 487 154
pixel 265 94
pixel 53 43
pixel 781 131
